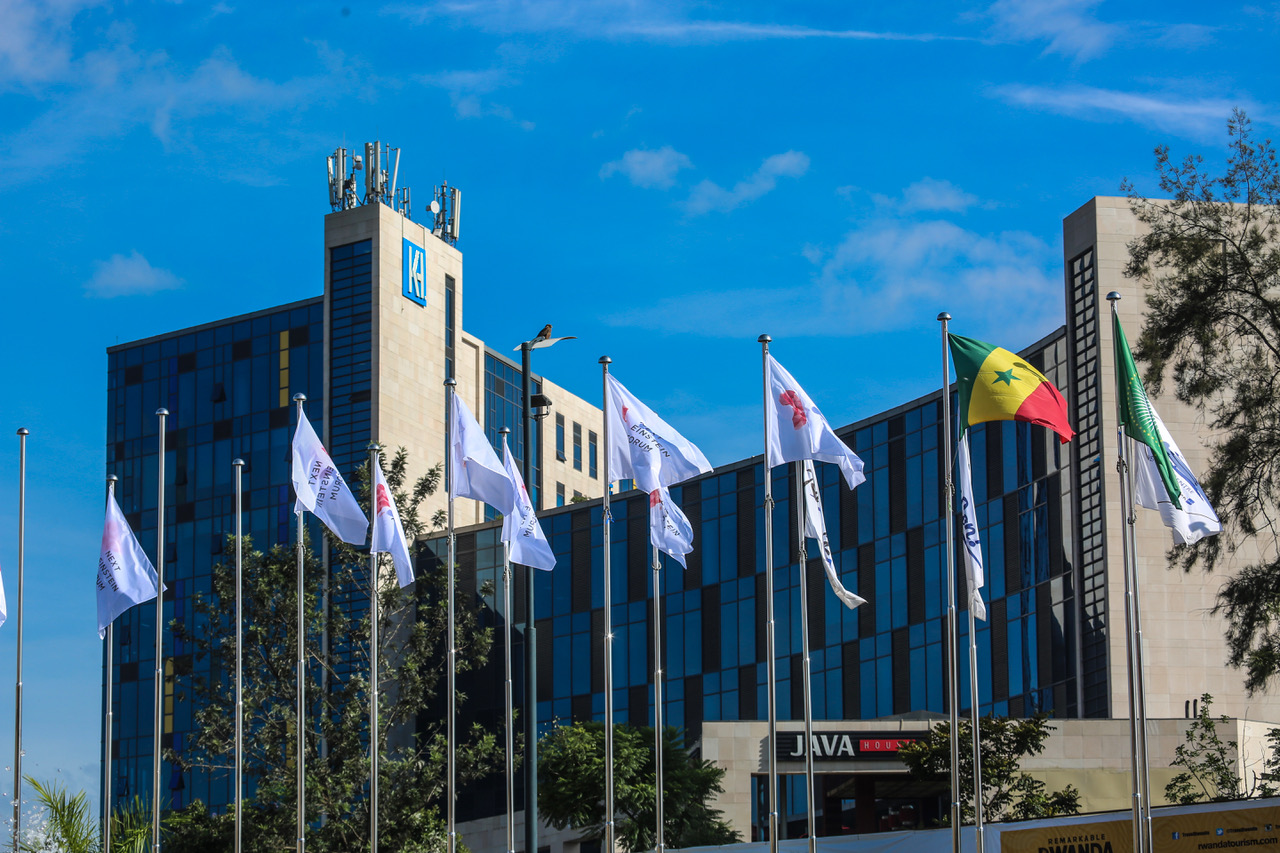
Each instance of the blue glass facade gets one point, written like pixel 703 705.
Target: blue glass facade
pixel 886 658
pixel 227 388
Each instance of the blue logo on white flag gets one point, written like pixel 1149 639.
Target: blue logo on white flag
pixel 414 267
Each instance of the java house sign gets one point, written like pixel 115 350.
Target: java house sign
pixel 845 746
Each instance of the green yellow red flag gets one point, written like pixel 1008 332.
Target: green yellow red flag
pixel 998 385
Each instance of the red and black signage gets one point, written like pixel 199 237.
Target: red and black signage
pixel 845 746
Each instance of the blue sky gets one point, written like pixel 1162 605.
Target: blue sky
pixel 664 180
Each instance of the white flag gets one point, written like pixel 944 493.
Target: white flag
pixel 972 541
pixel 669 529
pixel 645 448
pixel 388 532
pixel 815 527
pixel 520 527
pixel 4 604
pixel 800 431
pixel 125 575
pixel 476 470
pixel 1196 519
pixel 321 489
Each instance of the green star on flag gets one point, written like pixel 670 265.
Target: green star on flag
pixel 1136 414
pixel 1005 376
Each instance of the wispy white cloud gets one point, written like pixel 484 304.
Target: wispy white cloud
pixel 35 41
pixel 883 276
pixel 1199 118
pixel 1069 26
pixel 130 275
pixel 117 87
pixel 648 168
pixel 708 196
pixel 467 90
pixel 669 21
pixel 930 194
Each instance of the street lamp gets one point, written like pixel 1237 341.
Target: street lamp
pixel 542 340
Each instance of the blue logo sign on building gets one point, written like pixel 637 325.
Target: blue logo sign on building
pixel 414 266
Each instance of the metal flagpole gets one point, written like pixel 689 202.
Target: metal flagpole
pixel 1137 731
pixel 953 666
pixel 530 623
pixel 451 778
pixel 238 464
pixel 158 727
pixel 110 728
pixel 770 663
pixel 657 696
pixel 1141 686
pixel 17 714
pixel 802 559
pixel 508 685
pixel 606 521
pixel 975 715
pixel 374 616
pixel 301 672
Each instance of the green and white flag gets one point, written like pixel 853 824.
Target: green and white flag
pixel 1137 417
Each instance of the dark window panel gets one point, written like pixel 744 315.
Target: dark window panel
pixel 867 589
pixel 901 672
pixel 915 576
pixel 1012 546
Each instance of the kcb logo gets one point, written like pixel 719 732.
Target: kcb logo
pixel 415 273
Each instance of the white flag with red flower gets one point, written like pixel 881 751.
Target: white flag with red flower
pixel 125 575
pixel 388 532
pixel 800 431
pixel 645 448
pixel 669 529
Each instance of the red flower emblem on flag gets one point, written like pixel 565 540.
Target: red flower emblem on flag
pixel 384 499
pixel 655 498
pixel 792 399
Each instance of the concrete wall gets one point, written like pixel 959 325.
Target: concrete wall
pixel 1185 651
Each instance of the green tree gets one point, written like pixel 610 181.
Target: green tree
pixel 1208 763
pixel 571 787
pixel 412 676
pixel 65 825
pixel 1007 792
pixel 1210 263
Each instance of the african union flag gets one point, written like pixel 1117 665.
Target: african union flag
pixel 997 385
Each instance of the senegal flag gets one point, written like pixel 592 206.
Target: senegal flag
pixel 997 385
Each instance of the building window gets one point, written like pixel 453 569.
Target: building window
pixel 593 454
pixel 559 494
pixel 560 440
pixel 577 447
pixel 449 287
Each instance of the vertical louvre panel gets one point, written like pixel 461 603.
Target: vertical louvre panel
pixel 710 628
pixel 897 485
pixel 747 692
pixel 638 705
pixel 1012 546
pixel 747 522
pixel 999 650
pixel 867 589
pixel 693 708
pixel 546 660
pixel 691 503
pixel 637 549
pixel 815 580
pixel 849 517
pixel 580 577
pixel 915 576
pixel 852 672
pixel 995 458
pixel 901 672
pixel 597 650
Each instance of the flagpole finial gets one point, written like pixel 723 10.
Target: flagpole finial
pixel 504 431
pixel 112 479
pixel 764 339
pixel 162 412
pixel 237 462
pixel 604 359
pixel 450 382
pixel 23 431
pixel 299 397
pixel 375 447
pixel 1113 296
pixel 944 317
